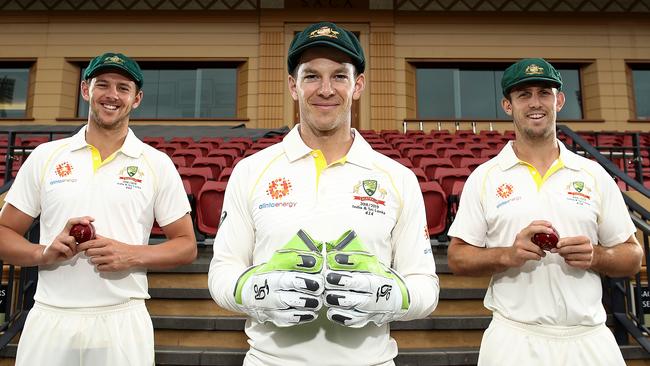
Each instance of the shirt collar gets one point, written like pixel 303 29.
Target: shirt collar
pixel 132 145
pixel 360 152
pixel 507 158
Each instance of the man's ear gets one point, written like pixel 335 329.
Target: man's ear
pixel 507 106
pixel 292 87
pixel 138 99
pixel 85 90
pixel 560 100
pixel 359 85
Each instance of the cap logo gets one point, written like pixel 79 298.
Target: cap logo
pixel 114 60
pixel 534 70
pixel 324 32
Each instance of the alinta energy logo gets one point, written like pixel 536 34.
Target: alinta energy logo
pixel 278 189
pixel 63 169
pixel 504 191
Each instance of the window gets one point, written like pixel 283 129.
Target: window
pixel 14 83
pixel 474 91
pixel 182 91
pixel 641 85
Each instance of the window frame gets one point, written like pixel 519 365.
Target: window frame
pixel 493 65
pixel 631 66
pixel 183 64
pixel 30 65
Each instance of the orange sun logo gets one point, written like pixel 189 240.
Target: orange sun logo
pixel 279 188
pixel 64 169
pixel 505 190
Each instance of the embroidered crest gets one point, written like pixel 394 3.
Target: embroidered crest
pixel 370 186
pixel 324 32
pixel 114 59
pixel 131 170
pixel 533 69
pixel 578 186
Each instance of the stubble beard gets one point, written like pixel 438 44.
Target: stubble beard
pixel 102 124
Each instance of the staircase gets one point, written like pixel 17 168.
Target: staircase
pixel 190 329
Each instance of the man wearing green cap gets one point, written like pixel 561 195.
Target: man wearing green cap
pixel 322 241
pixel 546 301
pixel 89 303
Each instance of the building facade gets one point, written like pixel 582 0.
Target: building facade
pixel 432 63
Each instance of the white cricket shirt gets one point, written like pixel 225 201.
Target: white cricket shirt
pixel 124 193
pixel 287 187
pixel 503 195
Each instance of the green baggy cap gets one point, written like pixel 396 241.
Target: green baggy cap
pixel 114 61
pixel 328 35
pixel 527 70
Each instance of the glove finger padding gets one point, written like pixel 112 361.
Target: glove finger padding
pixel 359 288
pixel 285 290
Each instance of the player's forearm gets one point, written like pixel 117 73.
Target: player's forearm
pixel 172 253
pixel 16 250
pixel 621 260
pixel 468 260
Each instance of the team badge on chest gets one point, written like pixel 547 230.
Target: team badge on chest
pixel 578 193
pixel 130 177
pixel 366 200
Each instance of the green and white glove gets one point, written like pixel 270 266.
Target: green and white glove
pixel 287 289
pixel 359 288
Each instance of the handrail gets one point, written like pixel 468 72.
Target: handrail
pixel 620 294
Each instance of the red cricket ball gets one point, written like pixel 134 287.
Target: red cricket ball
pixel 83 233
pixel 546 241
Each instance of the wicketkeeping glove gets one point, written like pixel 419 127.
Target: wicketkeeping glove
pixel 360 289
pixel 287 289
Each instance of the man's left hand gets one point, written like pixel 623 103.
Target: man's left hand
pixel 109 255
pixel 577 251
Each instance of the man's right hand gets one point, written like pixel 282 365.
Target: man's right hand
pixel 64 246
pixel 287 289
pixel 523 249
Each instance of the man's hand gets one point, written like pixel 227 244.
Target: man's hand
pixel 287 289
pixel 359 289
pixel 64 246
pixel 523 249
pixel 110 255
pixel 577 251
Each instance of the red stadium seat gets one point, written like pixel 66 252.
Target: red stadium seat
pixel 205 147
pixel 391 153
pixel 417 155
pixel 215 163
pixel 184 141
pixel 406 162
pixel 447 176
pixel 153 140
pixel 229 154
pixel 472 163
pixel 214 141
pixel 196 177
pixel 188 154
pixel 456 155
pixel 225 174
pixel 430 165
pixel 239 146
pixel 419 174
pixel 435 205
pixel 208 207
pixel 244 140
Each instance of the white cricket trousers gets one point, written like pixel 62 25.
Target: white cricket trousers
pixel 510 343
pixel 118 335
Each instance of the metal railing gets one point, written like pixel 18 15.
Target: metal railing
pixel 19 283
pixel 622 296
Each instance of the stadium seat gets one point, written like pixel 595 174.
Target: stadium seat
pixel 419 174
pixel 406 162
pixel 239 146
pixel 184 141
pixel 215 163
pixel 196 177
pixel 208 207
pixel 242 140
pixel 447 176
pixel 229 154
pixel 153 140
pixel 273 140
pixel 416 155
pixel 435 205
pixel 391 153
pixel 471 163
pixel 205 147
pixel 456 155
pixel 188 154
pixel 430 165
pixel 225 174
pixel 178 161
pixel 214 141
pixel 441 148
pixel 476 148
pixel 168 148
